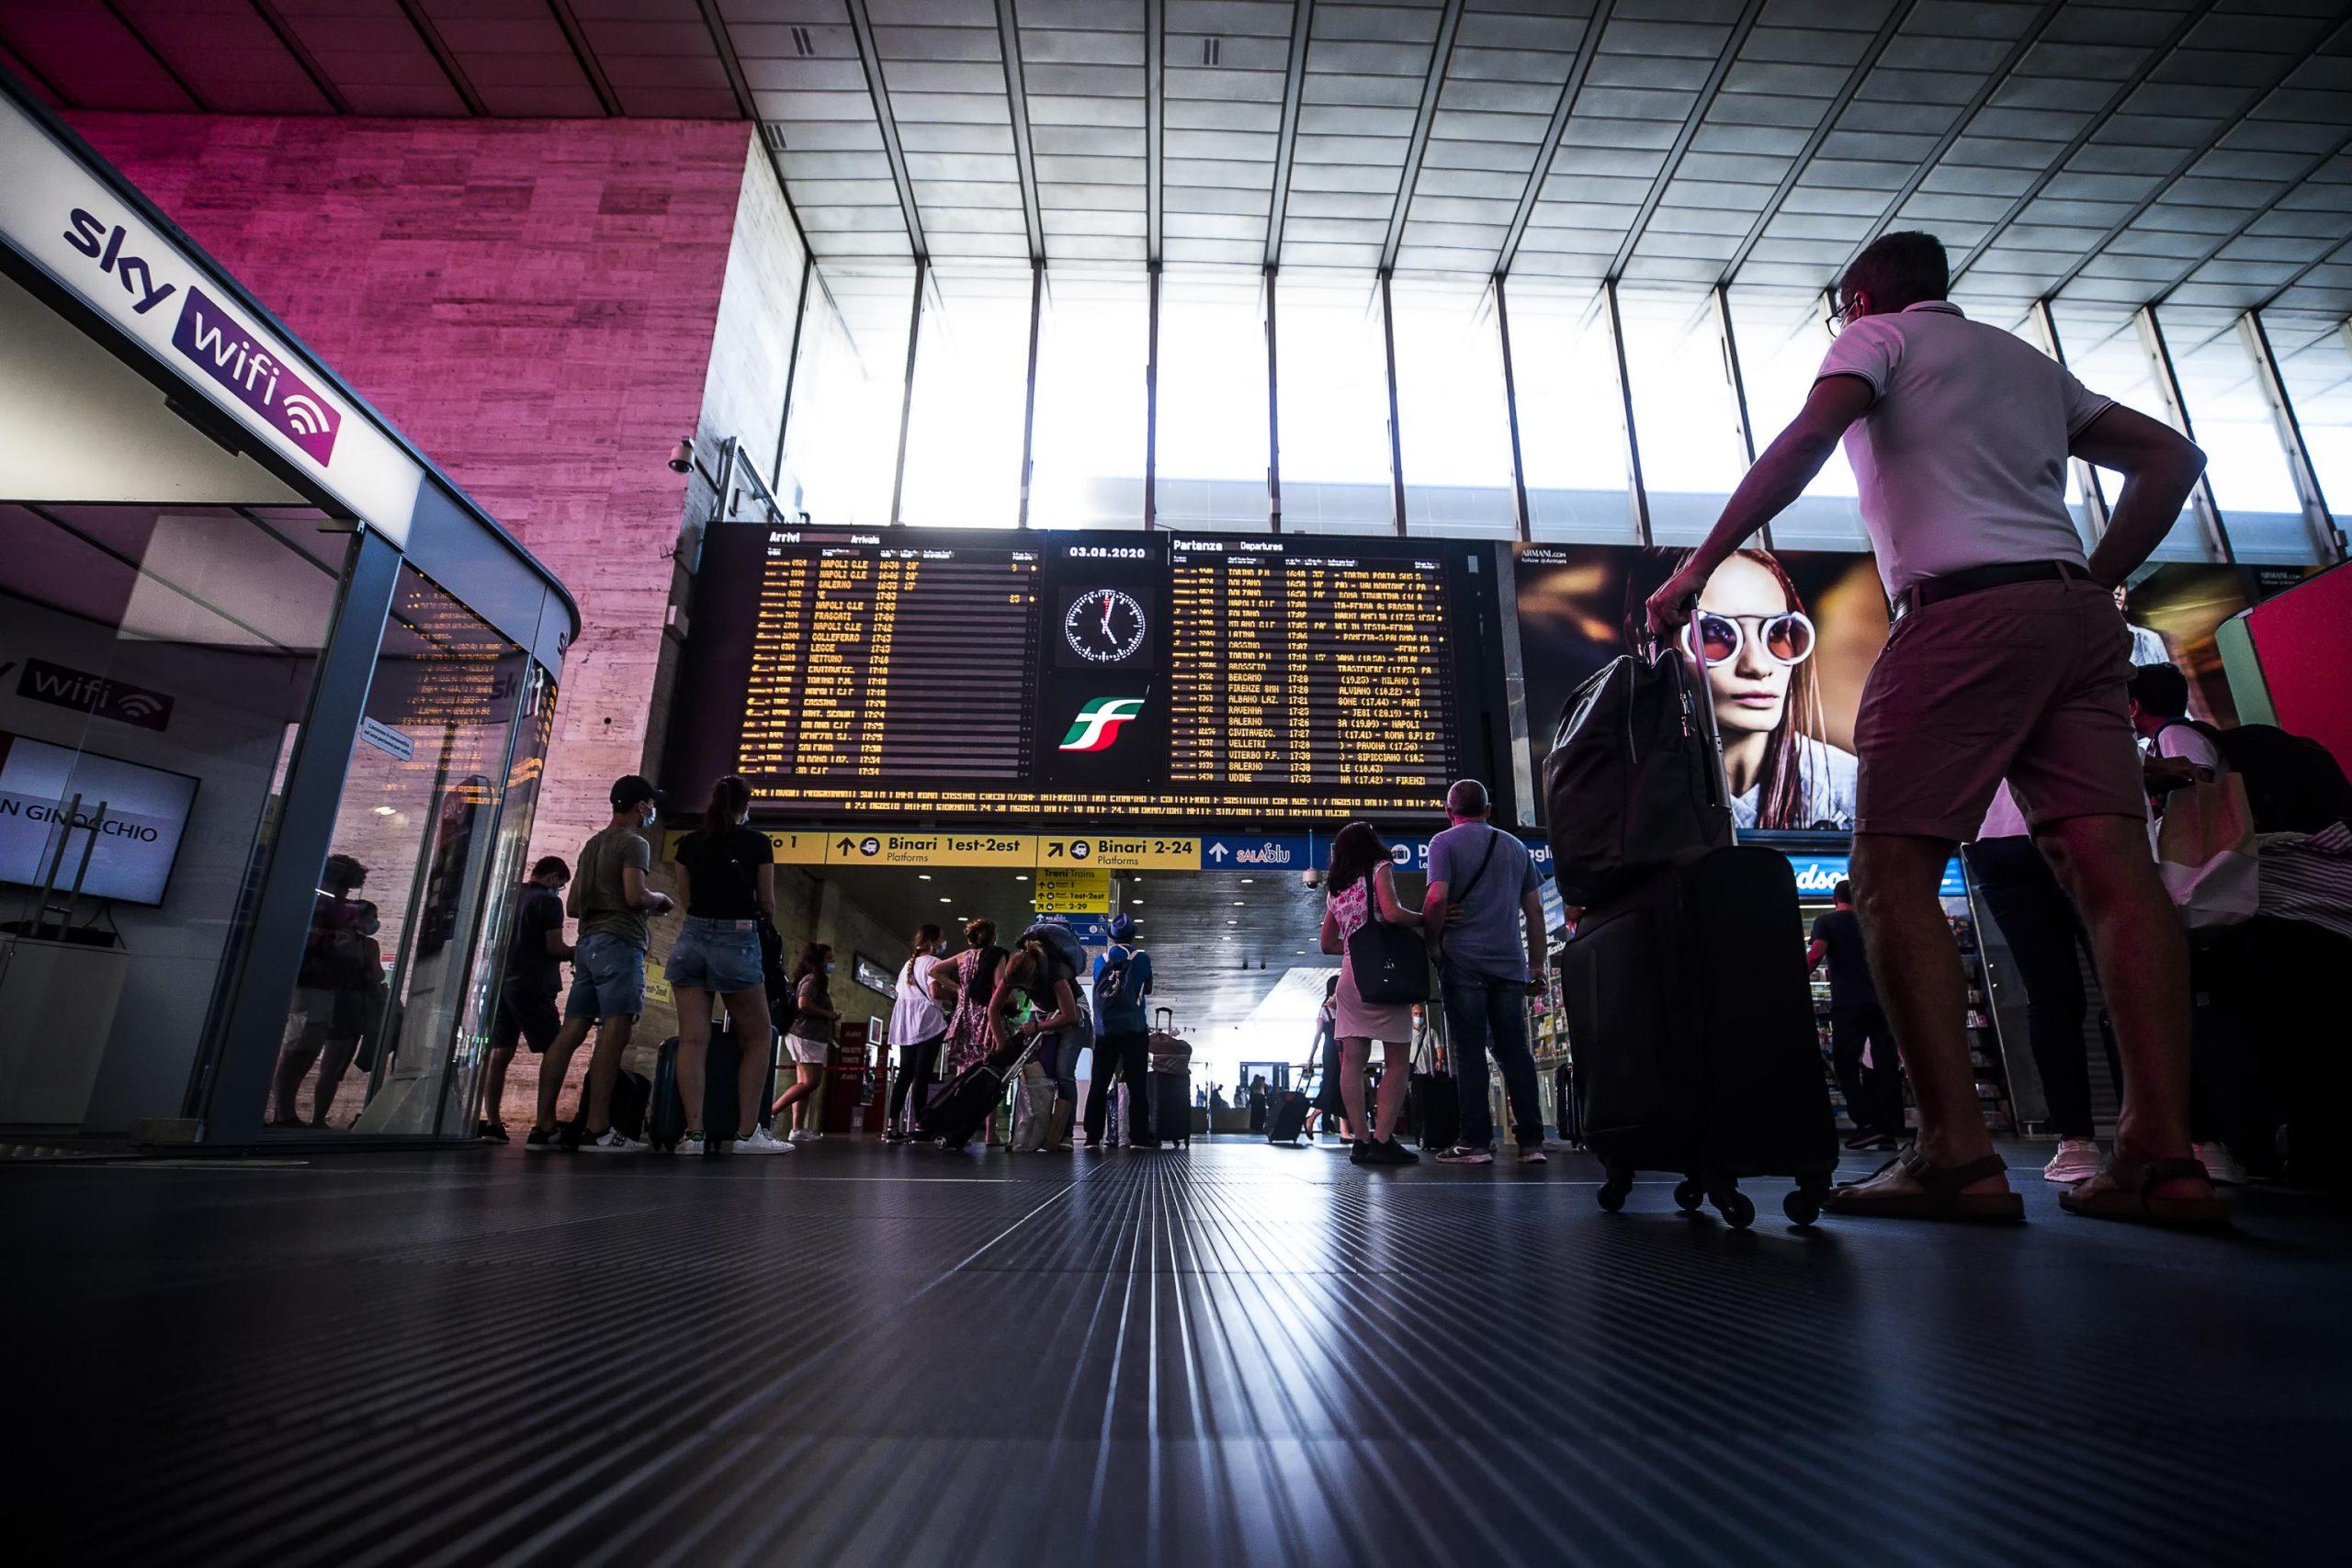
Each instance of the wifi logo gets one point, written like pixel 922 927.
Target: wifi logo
pixel 304 414
pixel 138 706
pixel 255 373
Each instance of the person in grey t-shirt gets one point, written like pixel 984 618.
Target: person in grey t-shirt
pixel 1486 921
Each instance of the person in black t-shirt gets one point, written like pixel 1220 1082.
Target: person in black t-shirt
pixel 527 1009
pixel 727 872
pixel 1858 1027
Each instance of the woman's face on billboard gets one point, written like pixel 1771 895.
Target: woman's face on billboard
pixel 1751 688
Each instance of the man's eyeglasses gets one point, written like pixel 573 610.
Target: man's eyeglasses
pixel 1786 639
pixel 1841 316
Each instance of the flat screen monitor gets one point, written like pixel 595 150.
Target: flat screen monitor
pixel 138 815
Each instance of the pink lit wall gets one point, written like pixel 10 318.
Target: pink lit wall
pixel 531 302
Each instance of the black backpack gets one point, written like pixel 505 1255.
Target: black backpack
pixel 2293 783
pixel 1633 783
pixel 1112 985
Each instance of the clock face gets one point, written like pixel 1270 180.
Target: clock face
pixel 1104 625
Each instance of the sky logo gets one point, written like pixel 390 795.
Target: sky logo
pixel 1097 724
pixel 226 352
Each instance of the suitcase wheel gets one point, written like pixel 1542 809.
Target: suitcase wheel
pixel 1737 1211
pixel 1611 1196
pixel 1802 1207
pixel 1688 1194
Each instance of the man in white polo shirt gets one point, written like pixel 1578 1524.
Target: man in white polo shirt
pixel 2007 660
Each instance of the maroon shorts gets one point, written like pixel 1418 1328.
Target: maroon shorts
pixel 2024 682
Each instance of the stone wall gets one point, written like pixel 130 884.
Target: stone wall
pixel 532 302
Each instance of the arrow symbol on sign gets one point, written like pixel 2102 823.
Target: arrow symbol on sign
pixel 1054 851
pixel 846 845
pixel 1217 853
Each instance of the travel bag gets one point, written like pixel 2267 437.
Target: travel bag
pixel 962 1106
pixel 1288 1120
pixel 665 1119
pixel 1433 1108
pixel 1691 1014
pixel 1634 781
pixel 632 1094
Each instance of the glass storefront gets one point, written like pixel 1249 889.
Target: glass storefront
pixel 156 665
pixel 273 702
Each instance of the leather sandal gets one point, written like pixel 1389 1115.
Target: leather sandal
pixel 2124 1189
pixel 1939 1194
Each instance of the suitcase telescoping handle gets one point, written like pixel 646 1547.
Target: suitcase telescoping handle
pixel 1699 701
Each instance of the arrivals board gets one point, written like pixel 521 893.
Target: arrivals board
pixel 1094 677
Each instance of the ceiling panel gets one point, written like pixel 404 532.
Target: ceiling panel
pixel 2197 149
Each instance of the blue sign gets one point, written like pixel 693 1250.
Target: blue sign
pixel 1413 854
pixel 1092 931
pixel 1818 876
pixel 1269 851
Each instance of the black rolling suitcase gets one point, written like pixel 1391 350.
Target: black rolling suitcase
pixel 1685 987
pixel 632 1097
pixel 1288 1120
pixel 665 1119
pixel 962 1106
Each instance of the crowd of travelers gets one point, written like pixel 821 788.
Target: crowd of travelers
pixel 2012 713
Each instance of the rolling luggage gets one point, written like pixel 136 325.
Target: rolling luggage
pixel 1288 1120
pixel 665 1119
pixel 1433 1110
pixel 1171 1106
pixel 1687 998
pixel 962 1106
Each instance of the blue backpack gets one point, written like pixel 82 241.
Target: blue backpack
pixel 1111 987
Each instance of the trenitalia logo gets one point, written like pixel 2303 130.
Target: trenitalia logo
pixel 1097 724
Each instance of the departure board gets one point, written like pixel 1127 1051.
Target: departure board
pixel 1061 677
pixel 1311 671
pixel 862 666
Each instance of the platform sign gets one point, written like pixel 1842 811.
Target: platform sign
pixel 1256 852
pixel 1072 890
pixel 850 847
pixel 1120 852
pixel 792 848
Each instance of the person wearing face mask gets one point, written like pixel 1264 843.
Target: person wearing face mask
pixel 1758 642
pixel 811 1040
pixel 613 903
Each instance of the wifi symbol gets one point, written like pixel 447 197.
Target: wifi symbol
pixel 138 705
pixel 304 414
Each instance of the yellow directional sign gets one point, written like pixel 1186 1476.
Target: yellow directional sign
pixel 850 846
pixel 1119 851
pixel 797 846
pixel 1067 890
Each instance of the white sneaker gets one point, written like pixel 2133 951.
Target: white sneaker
pixel 2078 1159
pixel 614 1142
pixel 803 1135
pixel 2221 1166
pixel 761 1142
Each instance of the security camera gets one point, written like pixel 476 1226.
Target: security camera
pixel 1313 879
pixel 682 456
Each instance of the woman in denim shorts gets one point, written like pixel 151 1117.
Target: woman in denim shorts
pixel 727 873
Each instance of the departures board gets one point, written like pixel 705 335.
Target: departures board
pixel 1096 677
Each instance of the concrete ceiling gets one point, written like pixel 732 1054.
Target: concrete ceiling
pixel 2192 150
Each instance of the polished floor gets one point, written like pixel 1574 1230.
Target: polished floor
pixel 1231 1355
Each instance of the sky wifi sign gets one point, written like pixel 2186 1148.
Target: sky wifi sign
pixel 66 218
pixel 65 687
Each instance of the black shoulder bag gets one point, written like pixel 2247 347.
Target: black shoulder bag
pixel 1390 963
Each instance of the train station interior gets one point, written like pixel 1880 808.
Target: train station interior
pixel 625 625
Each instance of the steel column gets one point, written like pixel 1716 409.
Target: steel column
pixel 1637 492
pixel 907 394
pixel 1029 398
pixel 2318 519
pixel 1520 515
pixel 2208 514
pixel 1395 440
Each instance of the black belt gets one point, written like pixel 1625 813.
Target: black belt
pixel 1977 579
